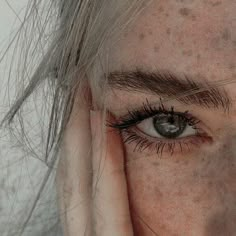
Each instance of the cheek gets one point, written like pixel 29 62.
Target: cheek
pixel 197 194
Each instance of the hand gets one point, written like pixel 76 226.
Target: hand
pixel 110 199
pixel 91 183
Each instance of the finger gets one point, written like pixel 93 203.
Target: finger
pixel 74 178
pixel 110 206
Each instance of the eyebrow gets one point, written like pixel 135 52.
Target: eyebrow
pixel 184 89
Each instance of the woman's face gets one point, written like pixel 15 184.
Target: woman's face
pixel 180 166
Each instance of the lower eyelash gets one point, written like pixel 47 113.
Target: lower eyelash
pixel 126 125
pixel 142 144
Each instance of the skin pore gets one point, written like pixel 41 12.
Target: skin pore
pixel 192 192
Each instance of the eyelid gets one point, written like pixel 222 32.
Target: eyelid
pixel 134 117
pixel 127 126
pixel 153 133
pixel 136 142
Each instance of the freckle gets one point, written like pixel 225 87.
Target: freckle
pixel 184 11
pixel 225 146
pixel 168 31
pixel 156 49
pixel 232 66
pixel 193 18
pixel 210 184
pixel 234 43
pixel 226 35
pixel 181 193
pixel 186 162
pixel 187 53
pixel 141 36
pixel 197 199
pixel 161 9
pixel 158 193
pixel 150 32
pixel 162 227
pixel 215 4
pixel 176 161
pixel 216 43
pixel 195 174
pixel 156 163
pixel 217 225
pixel 198 57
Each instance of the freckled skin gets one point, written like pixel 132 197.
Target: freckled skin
pixel 141 36
pixel 168 31
pixel 150 32
pixel 234 43
pixel 194 193
pixel 217 3
pixel 226 35
pixel 156 49
pixel 184 11
pixel 188 53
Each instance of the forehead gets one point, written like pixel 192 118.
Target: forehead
pixel 194 36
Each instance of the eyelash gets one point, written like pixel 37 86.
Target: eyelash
pixel 126 126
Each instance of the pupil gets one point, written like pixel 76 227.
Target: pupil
pixel 169 126
pixel 171 119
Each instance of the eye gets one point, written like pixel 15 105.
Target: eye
pixel 157 130
pixel 167 126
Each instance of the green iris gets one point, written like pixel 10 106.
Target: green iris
pixel 169 126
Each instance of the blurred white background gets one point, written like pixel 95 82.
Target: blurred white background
pixel 20 175
pixel 11 12
pixel 11 16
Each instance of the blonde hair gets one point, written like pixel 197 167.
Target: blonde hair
pixel 59 42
